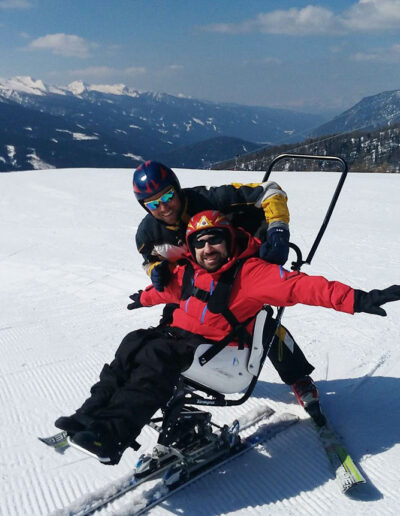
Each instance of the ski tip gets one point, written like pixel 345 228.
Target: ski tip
pixel 56 441
pixel 357 490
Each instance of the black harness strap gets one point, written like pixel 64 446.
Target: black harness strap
pixel 238 331
pixel 218 303
pixel 201 294
pixel 187 280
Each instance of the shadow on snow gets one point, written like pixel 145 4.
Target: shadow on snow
pixel 364 411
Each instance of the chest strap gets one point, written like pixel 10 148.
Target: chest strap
pixel 218 303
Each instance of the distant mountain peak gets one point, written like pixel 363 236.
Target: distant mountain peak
pixel 370 113
pixel 80 87
pixel 77 87
pixel 28 85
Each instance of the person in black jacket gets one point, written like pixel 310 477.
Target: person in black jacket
pixel 259 208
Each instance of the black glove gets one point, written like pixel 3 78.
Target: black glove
pixel 276 247
pixel 167 315
pixel 160 275
pixel 370 302
pixel 136 301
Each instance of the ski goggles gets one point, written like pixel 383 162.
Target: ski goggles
pixel 215 239
pixel 155 203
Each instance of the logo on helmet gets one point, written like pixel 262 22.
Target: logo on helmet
pixel 207 222
pixel 209 219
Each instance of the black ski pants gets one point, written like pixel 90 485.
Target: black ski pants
pixel 288 359
pixel 139 381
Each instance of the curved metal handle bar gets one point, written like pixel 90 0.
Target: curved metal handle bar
pixel 344 170
pixel 296 265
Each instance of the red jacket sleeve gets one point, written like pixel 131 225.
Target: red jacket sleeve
pixel 278 287
pixel 171 293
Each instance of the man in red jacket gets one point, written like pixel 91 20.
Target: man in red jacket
pixel 260 208
pixel 148 363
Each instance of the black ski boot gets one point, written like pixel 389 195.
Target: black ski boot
pixel 69 424
pixel 99 445
pixel 73 424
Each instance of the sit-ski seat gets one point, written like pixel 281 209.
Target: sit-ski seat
pixel 232 369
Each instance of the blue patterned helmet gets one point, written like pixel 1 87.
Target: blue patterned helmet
pixel 151 177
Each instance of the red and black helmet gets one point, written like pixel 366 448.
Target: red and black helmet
pixel 151 177
pixel 209 222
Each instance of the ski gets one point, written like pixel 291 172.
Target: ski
pixel 57 441
pixel 168 487
pixel 345 470
pixel 180 468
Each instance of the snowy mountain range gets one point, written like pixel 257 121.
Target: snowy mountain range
pixel 382 110
pixel 364 151
pixel 82 125
pixel 116 126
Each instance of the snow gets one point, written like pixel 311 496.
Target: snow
pixel 11 154
pixel 10 151
pixel 36 162
pixel 76 87
pixel 79 87
pixel 136 157
pixel 83 136
pixel 78 136
pixel 198 121
pixel 26 84
pixel 68 265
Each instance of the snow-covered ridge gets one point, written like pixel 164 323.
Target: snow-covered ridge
pixel 30 86
pixel 11 88
pixel 25 84
pixel 79 87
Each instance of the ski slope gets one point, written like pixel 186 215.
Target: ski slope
pixel 68 263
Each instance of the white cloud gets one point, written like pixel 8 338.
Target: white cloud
pixel 104 72
pixel 134 70
pixel 270 60
pixel 364 15
pixel 14 4
pixel 373 15
pixel 309 20
pixel 380 55
pixel 93 71
pixel 175 67
pixel 265 61
pixel 67 45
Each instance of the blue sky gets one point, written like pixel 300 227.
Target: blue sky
pixel 317 57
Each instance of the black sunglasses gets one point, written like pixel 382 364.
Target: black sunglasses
pixel 213 240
